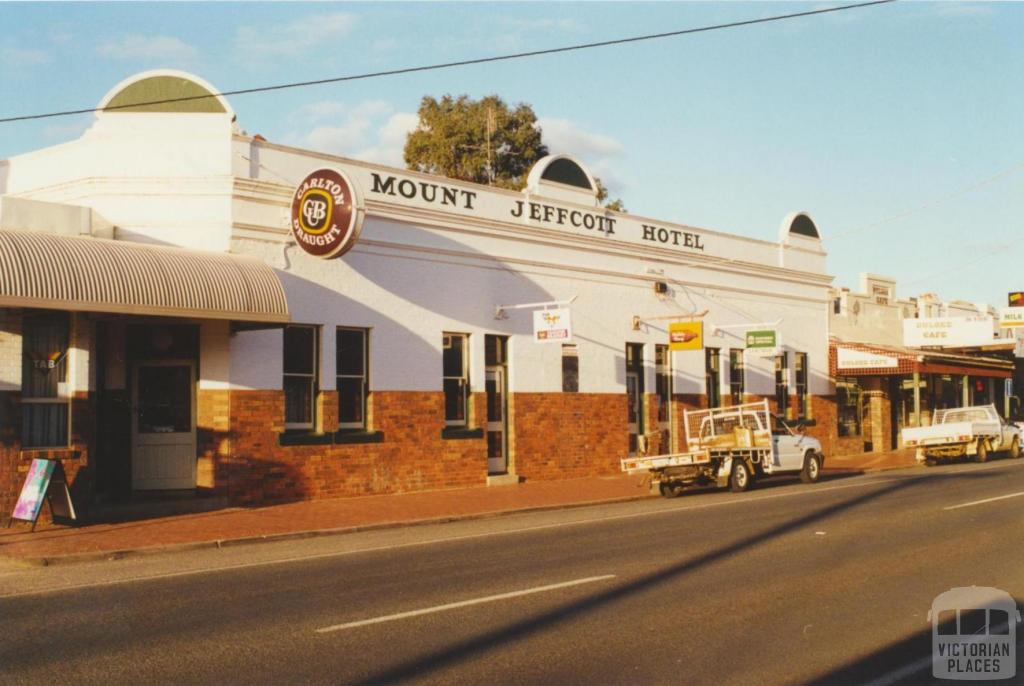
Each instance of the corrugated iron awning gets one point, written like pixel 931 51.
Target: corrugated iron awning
pixel 96 275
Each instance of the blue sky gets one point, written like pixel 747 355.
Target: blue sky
pixel 900 128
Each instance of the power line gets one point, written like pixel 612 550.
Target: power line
pixel 461 63
pixel 930 203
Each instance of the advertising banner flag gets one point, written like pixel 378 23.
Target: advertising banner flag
pixel 761 339
pixel 552 326
pixel 686 336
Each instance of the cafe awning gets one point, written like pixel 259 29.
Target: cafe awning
pixel 868 359
pixel 97 275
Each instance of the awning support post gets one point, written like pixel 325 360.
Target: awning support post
pixel 917 398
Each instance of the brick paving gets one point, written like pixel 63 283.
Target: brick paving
pixel 51 543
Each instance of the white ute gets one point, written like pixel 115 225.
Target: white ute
pixel 975 431
pixel 732 446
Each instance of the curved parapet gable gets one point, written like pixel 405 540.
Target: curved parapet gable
pixel 563 177
pixel 167 91
pixel 798 224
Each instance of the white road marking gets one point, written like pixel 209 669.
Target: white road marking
pixel 985 500
pixel 465 537
pixel 464 603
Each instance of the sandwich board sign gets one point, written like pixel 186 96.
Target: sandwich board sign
pixel 43 477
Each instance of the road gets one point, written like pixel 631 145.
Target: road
pixel 788 583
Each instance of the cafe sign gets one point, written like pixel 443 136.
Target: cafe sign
pixel 847 358
pixel 948 331
pixel 327 214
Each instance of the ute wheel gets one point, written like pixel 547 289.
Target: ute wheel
pixel 930 462
pixel 982 454
pixel 812 468
pixel 739 480
pixel 1014 451
pixel 670 490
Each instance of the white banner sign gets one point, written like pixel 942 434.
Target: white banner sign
pixel 860 359
pixel 552 326
pixel 1011 316
pixel 948 331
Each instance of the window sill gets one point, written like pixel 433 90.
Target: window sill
pixel 458 433
pixel 354 436
pixel 304 438
pixel 51 453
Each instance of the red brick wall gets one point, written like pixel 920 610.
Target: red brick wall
pixel 412 457
pixel 15 462
pixel 568 435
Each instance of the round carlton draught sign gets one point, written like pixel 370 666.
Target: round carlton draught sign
pixel 326 214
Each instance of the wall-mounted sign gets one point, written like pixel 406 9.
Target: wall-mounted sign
pixel 948 331
pixel 847 358
pixel 761 339
pixel 552 326
pixel 1011 316
pixel 1015 299
pixel 327 215
pixel 686 335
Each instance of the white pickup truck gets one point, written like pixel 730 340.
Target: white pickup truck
pixel 973 431
pixel 732 446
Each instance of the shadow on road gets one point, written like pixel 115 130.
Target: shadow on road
pixel 497 638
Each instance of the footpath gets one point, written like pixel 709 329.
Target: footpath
pixel 55 544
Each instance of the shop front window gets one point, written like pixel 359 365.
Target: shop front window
pixel 848 402
pixel 300 376
pixel 46 410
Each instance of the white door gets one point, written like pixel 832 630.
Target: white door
pixel 163 426
pixel 497 424
pixel 633 402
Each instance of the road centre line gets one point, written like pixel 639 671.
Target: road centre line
pixel 487 534
pixel 985 500
pixel 464 603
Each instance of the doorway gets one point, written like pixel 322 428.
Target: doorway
pixel 496 386
pixel 635 396
pixel 163 425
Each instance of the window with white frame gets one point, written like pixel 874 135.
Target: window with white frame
pixel 455 354
pixel 353 387
pixel 45 402
pixel 301 368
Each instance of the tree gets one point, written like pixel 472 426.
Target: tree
pixel 484 141
pixel 602 195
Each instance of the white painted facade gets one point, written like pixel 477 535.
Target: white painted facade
pixel 422 268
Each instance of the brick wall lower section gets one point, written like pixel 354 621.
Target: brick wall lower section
pixel 568 435
pixel 75 459
pixel 213 438
pixel 413 456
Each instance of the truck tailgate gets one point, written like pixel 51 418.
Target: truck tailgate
pixel 632 464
